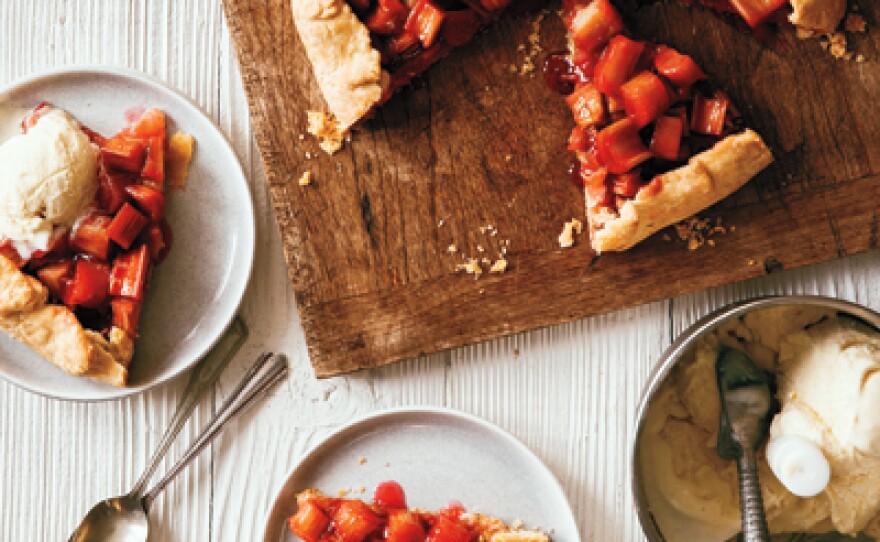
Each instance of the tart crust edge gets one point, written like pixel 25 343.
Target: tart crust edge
pixel 54 332
pixel 346 66
pixel 707 178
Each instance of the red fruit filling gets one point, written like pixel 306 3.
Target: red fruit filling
pixel 101 267
pixel 320 519
pixel 640 109
pixel 761 18
pixel 413 34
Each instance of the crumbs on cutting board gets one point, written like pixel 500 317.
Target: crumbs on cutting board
pixel 697 232
pixel 478 262
pixel 326 129
pixel 531 49
pixel 305 179
pixel 569 230
pixel 836 42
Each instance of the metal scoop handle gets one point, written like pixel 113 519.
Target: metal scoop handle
pixel 754 522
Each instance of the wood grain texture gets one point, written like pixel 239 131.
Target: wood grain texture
pixel 473 144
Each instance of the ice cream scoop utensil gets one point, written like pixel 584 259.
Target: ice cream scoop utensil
pixel 799 464
pixel 747 406
pixel 124 518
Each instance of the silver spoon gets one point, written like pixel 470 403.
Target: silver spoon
pixel 124 518
pixel 747 406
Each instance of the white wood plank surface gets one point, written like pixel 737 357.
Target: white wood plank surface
pixel 569 392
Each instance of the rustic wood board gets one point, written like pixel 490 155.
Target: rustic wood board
pixel 474 144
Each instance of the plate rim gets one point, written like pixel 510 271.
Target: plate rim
pixel 250 226
pixel 443 411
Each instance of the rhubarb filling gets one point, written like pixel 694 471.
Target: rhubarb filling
pixel 100 268
pixel 640 109
pixel 413 34
pixel 320 518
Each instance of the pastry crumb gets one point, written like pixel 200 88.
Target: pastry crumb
pixel 361 489
pixel 836 45
pixel 471 267
pixel 476 260
pixel 441 223
pixel 855 23
pixel 500 266
pixel 343 492
pixel 532 49
pixel 326 129
pixel 696 232
pixel 305 179
pixel 362 460
pixel 752 262
pixel 569 230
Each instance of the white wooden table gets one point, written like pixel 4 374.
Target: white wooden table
pixel 569 392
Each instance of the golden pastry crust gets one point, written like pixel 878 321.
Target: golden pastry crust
pixel 19 292
pixel 817 15
pixel 54 332
pixel 706 179
pixel 347 67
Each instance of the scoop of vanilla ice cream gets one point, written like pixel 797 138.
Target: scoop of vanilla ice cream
pixel 829 387
pixel 48 178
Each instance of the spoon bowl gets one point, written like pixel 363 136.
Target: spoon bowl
pixel 120 519
pixel 124 518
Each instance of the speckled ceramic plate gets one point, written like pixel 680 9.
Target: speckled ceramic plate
pixel 195 293
pixel 438 456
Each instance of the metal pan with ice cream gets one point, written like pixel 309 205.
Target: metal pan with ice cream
pixel 820 470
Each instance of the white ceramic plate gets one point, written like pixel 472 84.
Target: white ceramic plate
pixel 438 456
pixel 195 293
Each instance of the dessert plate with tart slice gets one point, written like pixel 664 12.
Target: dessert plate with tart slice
pixel 440 456
pixel 169 318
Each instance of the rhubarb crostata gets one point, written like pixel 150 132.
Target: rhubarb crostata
pixel 320 518
pixel 655 140
pixel 82 225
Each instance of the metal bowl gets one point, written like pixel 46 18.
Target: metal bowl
pixel 681 345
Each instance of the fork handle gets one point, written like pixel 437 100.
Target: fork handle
pixel 754 521
pixel 261 377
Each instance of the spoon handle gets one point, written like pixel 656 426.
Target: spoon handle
pixel 203 377
pixel 754 522
pixel 265 373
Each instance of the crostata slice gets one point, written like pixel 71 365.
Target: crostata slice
pixel 320 518
pixel 362 51
pixel 655 141
pixel 82 225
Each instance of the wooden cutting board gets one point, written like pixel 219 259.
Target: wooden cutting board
pixel 475 145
